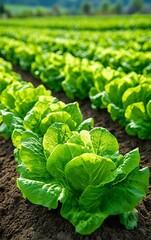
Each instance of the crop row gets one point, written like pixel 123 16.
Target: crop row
pixel 84 23
pixel 61 160
pixel 82 78
pixel 138 40
pixel 120 59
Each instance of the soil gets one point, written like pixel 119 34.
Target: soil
pixel 21 220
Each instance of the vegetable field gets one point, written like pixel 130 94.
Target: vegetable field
pixel 75 126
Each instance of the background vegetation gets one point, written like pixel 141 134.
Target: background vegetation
pixel 27 8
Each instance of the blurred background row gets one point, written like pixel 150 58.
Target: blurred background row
pixel 28 8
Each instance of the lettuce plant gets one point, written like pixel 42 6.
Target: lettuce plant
pixel 48 67
pixel 5 66
pixel 130 103
pixel 84 171
pixel 19 97
pixel 101 78
pixel 16 100
pixel 79 77
pixel 137 104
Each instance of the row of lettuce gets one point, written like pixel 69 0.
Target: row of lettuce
pixel 84 23
pixel 82 78
pixel 62 158
pixel 138 40
pixel 120 59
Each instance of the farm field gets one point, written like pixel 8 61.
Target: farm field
pixel 88 62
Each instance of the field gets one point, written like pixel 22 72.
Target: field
pixel 80 179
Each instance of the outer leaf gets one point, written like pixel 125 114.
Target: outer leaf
pixel 36 176
pixel 148 107
pixel 129 219
pixel 84 222
pixel 74 111
pixel 124 196
pixel 86 124
pixel 31 153
pixel 135 111
pixel 16 156
pixel 129 162
pixel 9 122
pixel 17 135
pixel 41 193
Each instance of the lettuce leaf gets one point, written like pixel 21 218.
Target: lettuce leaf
pixel 139 120
pixel 141 93
pixel 41 193
pixel 41 108
pixel 31 153
pixel 9 122
pixel 89 169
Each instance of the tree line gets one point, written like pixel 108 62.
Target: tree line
pixel 104 7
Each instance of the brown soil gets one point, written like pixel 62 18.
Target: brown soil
pixel 21 220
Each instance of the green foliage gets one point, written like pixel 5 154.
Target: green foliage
pixel 84 69
pixel 118 7
pixel 99 179
pixel 130 103
pixel 60 160
pixel 19 97
pixel 137 104
pixel 105 6
pixel 86 8
pixel 49 68
pixel 79 78
pixel 136 5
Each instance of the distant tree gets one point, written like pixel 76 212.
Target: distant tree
pixel 5 11
pixel 118 7
pixel 136 5
pixel 56 10
pixel 2 9
pixel 40 12
pixel 26 13
pixel 86 8
pixel 146 9
pixel 105 6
